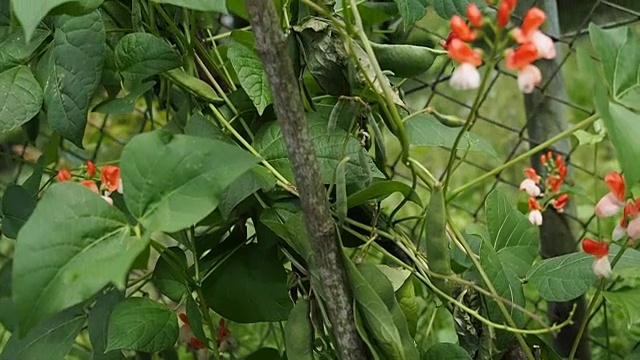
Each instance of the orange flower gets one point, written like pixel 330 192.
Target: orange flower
pixel 474 15
pixel 461 29
pixel 63 175
pixel 91 169
pixel 504 14
pixel 600 250
pixel 560 202
pixel 110 177
pixel 91 185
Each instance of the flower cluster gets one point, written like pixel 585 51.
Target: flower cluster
pixel 555 174
pixel 629 225
pixel 532 45
pixel 186 335
pixel 110 180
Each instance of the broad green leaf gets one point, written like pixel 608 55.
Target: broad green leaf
pixel 200 125
pixel 289 225
pixel 446 351
pixel 514 238
pixel 298 332
pixel 447 8
pixel 81 243
pixel 70 72
pixel 99 325
pixel 382 286
pixel 619 51
pixel 508 286
pixel 566 277
pixel 412 10
pixel 20 97
pixel 17 206
pixel 193 85
pixel 141 55
pixel 249 286
pixel 626 300
pixel 142 324
pixel 408 303
pixel 30 13
pixel 195 319
pixel 238 7
pixel 248 66
pixel 623 127
pixel 13 48
pixel 330 148
pixel 126 104
pixel 258 178
pixel 174 181
pixel 376 317
pixel 362 331
pixel 380 190
pixel 425 130
pixel 167 277
pixel 8 318
pixel 200 5
pixel 53 337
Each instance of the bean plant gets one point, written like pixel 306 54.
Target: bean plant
pixel 274 202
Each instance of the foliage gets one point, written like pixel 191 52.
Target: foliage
pixel 192 240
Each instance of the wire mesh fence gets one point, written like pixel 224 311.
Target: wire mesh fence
pixel 501 120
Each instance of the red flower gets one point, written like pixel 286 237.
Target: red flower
pixel 474 15
pixel 461 29
pixel 601 266
pixel 614 200
pixel 91 169
pixel 110 178
pixel 616 185
pixel 445 43
pixel 531 174
pixel 521 57
pixel 535 216
pixel 530 33
pixel 560 202
pixel 63 175
pixel 186 334
pixel 223 331
pixel 463 53
pixel 504 14
pixel 91 185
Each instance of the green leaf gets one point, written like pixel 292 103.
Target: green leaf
pixel 412 10
pixel 623 127
pixel 70 72
pixel 248 66
pixel 425 130
pixel 30 14
pixel 193 85
pixel 406 297
pixel 200 5
pixel 99 325
pixel 507 285
pixel 81 243
pixel 566 277
pixel 378 320
pixel 195 319
pixel 200 125
pixel 249 286
pixel 142 324
pixel 447 8
pixel 17 206
pixel 626 301
pixel 126 104
pixel 168 279
pixel 174 181
pixel 446 351
pixel 298 332
pixel 13 48
pixel 258 178
pixel 54 337
pixel 289 225
pixel 514 238
pixel 141 55
pixel 382 286
pixel 20 97
pixel 330 148
pixel 380 190
pixel 619 51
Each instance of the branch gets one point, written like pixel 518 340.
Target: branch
pixel 271 45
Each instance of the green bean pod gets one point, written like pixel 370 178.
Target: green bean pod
pixel 298 333
pixel 435 242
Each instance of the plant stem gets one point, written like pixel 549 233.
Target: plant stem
pixel 327 253
pixel 207 316
pixel 467 124
pixel 594 301
pixel 584 123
